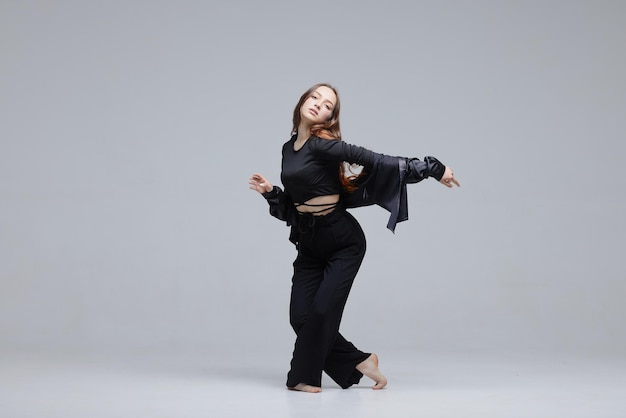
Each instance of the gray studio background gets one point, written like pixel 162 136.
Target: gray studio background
pixel 129 130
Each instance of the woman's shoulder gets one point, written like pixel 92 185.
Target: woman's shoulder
pixel 289 142
pixel 322 145
pixel 324 142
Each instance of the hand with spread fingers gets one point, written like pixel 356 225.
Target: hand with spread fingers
pixel 448 179
pixel 260 183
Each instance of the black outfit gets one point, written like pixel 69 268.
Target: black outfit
pixel 331 247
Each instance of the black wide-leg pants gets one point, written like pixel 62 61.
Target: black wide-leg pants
pixel 330 251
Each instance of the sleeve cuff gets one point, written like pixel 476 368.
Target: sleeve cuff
pixel 272 193
pixel 435 167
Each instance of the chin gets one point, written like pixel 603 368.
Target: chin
pixel 311 119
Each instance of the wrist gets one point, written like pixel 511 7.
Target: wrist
pixel 270 193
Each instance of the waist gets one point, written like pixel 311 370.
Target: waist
pixel 318 206
pixel 325 218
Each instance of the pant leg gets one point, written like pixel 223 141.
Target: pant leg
pixel 323 275
pixel 342 361
pixel 307 278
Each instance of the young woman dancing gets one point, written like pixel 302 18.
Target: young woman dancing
pixel 318 187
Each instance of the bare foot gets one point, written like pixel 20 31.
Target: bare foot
pixel 369 367
pixel 301 387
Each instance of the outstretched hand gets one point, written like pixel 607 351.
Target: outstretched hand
pixel 448 179
pixel 260 183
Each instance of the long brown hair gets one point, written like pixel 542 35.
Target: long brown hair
pixel 327 130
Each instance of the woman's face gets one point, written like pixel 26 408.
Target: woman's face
pixel 318 108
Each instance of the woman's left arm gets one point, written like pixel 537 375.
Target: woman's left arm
pixel 354 154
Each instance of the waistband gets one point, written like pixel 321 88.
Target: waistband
pixel 307 223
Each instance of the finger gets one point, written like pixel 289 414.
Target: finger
pixel 455 181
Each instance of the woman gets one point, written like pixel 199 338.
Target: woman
pixel 331 245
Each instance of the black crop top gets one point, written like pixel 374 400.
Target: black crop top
pixel 313 170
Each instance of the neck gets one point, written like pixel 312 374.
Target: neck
pixel 304 131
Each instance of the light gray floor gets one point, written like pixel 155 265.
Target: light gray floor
pixel 420 385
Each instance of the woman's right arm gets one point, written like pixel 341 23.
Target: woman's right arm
pixel 281 206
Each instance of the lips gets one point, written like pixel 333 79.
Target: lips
pixel 313 111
